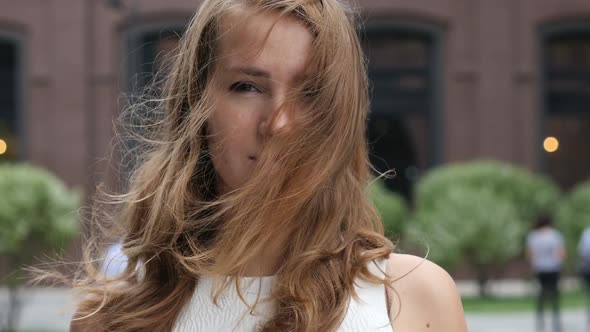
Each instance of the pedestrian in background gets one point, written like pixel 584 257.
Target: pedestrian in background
pixel 546 252
pixel 584 267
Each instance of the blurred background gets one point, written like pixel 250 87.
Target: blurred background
pixel 482 108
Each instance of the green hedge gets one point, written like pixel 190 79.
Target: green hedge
pixel 573 216
pixel 469 225
pixel 392 208
pixel 479 212
pixel 37 214
pixel 530 194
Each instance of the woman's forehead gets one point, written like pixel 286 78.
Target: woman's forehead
pixel 274 46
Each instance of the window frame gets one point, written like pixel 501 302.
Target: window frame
pixel 435 109
pixel 132 43
pixel 544 34
pixel 18 40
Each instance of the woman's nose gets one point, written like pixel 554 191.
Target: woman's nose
pixel 275 122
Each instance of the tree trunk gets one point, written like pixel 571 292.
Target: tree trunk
pixel 14 302
pixel 482 283
pixel 14 306
pixel 482 280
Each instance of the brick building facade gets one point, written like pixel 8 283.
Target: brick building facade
pixel 452 80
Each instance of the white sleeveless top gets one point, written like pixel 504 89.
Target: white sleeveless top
pixel 231 314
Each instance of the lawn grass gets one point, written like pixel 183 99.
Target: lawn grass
pixel 569 300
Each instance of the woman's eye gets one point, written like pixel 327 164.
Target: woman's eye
pixel 245 87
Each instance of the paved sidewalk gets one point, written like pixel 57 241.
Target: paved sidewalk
pixel 512 287
pixel 47 309
pixel 51 309
pixel 573 321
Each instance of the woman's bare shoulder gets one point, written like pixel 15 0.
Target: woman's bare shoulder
pixel 424 296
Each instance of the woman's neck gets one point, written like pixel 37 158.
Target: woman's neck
pixel 269 260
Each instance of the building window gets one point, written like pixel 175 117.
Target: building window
pixel 148 49
pixel 401 127
pixel 9 117
pixel 566 129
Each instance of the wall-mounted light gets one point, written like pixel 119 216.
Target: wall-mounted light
pixel 3 146
pixel 551 144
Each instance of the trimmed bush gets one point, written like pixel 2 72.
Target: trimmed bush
pixel 37 213
pixel 573 216
pixel 478 212
pixel 530 194
pixel 37 216
pixel 473 226
pixel 391 207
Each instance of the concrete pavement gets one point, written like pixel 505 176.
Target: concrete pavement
pixel 51 309
pixel 572 321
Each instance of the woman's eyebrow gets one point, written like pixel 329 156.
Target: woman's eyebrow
pixel 251 71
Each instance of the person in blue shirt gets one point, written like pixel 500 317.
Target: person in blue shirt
pixel 546 252
pixel 584 266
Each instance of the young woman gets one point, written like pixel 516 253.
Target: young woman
pixel 249 211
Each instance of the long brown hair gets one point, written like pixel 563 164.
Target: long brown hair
pixel 310 183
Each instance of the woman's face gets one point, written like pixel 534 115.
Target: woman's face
pixel 253 78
